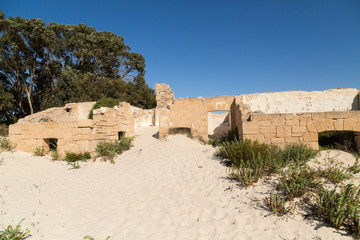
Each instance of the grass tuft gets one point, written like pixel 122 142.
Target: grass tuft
pixel 39 151
pixel 11 233
pixel 277 204
pixel 108 150
pixel 6 144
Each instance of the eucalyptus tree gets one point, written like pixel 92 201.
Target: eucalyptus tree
pixel 42 66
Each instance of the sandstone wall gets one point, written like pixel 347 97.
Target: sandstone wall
pixel 70 112
pixel 192 113
pixel 281 129
pixel 300 102
pixel 76 136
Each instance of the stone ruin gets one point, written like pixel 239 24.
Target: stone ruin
pixel 274 118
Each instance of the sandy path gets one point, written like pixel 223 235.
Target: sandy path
pixel 168 189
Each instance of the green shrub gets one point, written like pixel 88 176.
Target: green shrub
pixel 296 182
pixel 11 233
pixel 71 157
pixel 246 175
pixel 4 130
pixel 276 204
pixel 108 150
pixel 298 153
pixel 39 151
pixel 104 102
pixel 335 174
pixel 231 136
pixel 6 144
pixel 55 155
pixel 340 209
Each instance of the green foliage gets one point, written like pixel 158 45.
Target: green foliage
pixel 276 204
pixel 104 102
pixel 108 150
pixel 296 182
pixel 4 130
pixel 6 144
pixel 11 233
pixel 43 66
pixel 39 151
pixel 340 209
pixel 55 155
pixel 298 153
pixel 335 174
pixel 231 136
pixel 71 157
pixel 342 140
pixel 246 175
pixel 355 168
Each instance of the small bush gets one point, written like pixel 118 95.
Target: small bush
pixel 71 157
pixel 39 151
pixel 4 130
pixel 296 182
pixel 340 209
pixel 335 174
pixel 104 102
pixel 6 144
pixel 108 150
pixel 247 176
pixel 298 153
pixel 55 155
pixel 276 204
pixel 11 233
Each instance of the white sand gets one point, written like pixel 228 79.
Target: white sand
pixel 167 189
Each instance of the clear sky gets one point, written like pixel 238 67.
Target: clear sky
pixel 224 47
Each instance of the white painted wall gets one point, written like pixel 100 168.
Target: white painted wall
pixel 299 101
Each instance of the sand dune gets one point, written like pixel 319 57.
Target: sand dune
pixel 160 189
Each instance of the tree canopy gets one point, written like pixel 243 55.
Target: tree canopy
pixel 43 66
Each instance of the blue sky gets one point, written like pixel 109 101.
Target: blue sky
pixel 225 47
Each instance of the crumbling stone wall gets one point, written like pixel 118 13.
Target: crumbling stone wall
pixel 281 129
pixel 164 96
pixel 73 131
pixel 192 113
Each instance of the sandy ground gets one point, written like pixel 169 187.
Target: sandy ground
pixel 160 189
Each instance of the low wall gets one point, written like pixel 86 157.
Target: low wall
pixel 282 129
pixel 192 113
pixel 76 136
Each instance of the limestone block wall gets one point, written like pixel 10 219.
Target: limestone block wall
pixel 299 101
pixel 192 113
pixel 164 96
pixel 282 129
pixel 70 112
pixel 76 136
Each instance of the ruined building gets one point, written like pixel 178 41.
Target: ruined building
pixel 275 118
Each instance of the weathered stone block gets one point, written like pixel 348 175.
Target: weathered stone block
pixel 271 129
pixel 348 124
pixel 356 126
pixel 310 127
pixel 319 125
pixel 250 128
pixel 316 116
pixel 266 123
pixel 277 140
pixel 277 120
pixel 337 115
pixel 283 131
pixel 298 129
pixel 339 125
pixel 310 137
